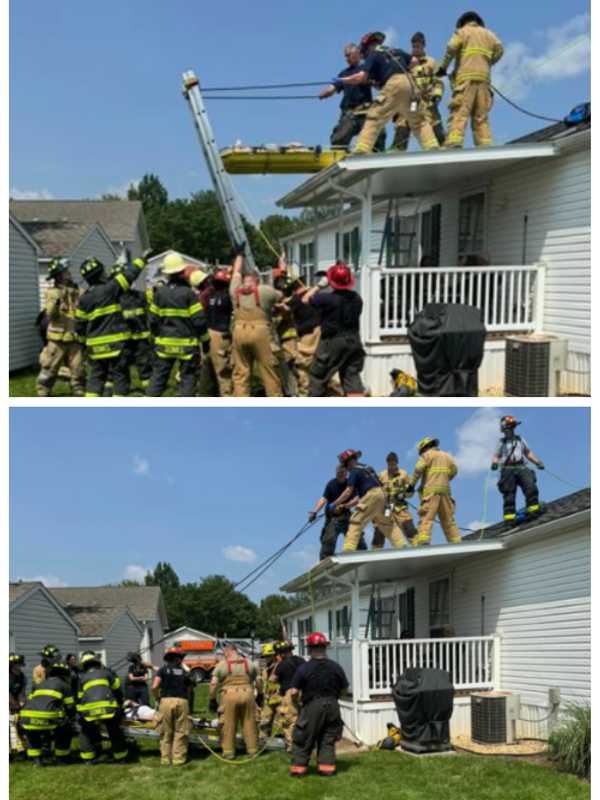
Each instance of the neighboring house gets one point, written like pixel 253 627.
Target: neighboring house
pixel 505 610
pixel 504 228
pixel 154 265
pixel 72 240
pixel 24 297
pixel 184 633
pixel 123 220
pixel 145 603
pixel 36 619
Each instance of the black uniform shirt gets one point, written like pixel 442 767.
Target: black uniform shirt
pixel 340 312
pixel 380 65
pixel 16 684
pixel 285 671
pixel 354 96
pixel 174 682
pixel 319 677
pixel 362 481
pixel 306 318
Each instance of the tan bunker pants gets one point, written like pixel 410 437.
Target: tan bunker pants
pixel 371 508
pixel 174 727
pixel 252 341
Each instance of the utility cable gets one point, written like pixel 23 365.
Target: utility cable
pixel 260 97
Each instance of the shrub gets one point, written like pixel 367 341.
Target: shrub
pixel 570 743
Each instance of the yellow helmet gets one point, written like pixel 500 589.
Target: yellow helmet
pixel 173 263
pixel 428 441
pixel 267 649
pixel 197 277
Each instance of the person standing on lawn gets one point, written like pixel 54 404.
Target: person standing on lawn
pixel 173 686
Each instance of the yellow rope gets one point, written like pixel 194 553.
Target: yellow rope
pixel 230 761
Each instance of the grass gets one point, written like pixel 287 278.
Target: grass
pixel 571 742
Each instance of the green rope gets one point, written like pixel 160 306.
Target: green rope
pixel 486 487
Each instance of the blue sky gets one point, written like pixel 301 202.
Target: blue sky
pixel 95 97
pixel 97 495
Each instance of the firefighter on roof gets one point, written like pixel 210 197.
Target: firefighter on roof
pixel 396 485
pixel 510 456
pixel 435 469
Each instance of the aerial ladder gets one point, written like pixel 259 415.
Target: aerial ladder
pixel 220 179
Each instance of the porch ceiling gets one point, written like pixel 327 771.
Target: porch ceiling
pixel 388 565
pixel 409 174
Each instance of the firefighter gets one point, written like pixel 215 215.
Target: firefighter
pixel 364 491
pixel 138 350
pixel 337 518
pixel 17 695
pixel 285 669
pixel 137 679
pixel 235 677
pixel 403 384
pixel 355 103
pixel 435 469
pixel 178 325
pixel 253 339
pixel 510 456
pixel 398 94
pixel 431 91
pixel 321 682
pixel 396 485
pixel 47 713
pixel 217 303
pixel 101 326
pixel 99 703
pixel 285 327
pixel 49 653
pixel 474 49
pixel 62 346
pixel 174 686
pixel 271 697
pixel 308 325
pixel 340 348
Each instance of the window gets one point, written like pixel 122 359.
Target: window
pixel 430 235
pixel 471 226
pixel 330 625
pixel 439 604
pixel 349 251
pixel 304 628
pixel 342 623
pixel 150 639
pixel 406 612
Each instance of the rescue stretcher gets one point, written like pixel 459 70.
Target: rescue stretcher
pixel 285 160
pixel 202 732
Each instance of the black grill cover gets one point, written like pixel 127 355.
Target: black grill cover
pixel 424 701
pixel 447 342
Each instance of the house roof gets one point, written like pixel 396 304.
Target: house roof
pixel 95 621
pixel 119 218
pixel 56 239
pixel 558 130
pixel 143 601
pixel 409 174
pixel 15 590
pixel 14 221
pixel 562 508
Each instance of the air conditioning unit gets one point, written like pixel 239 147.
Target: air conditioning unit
pixel 494 717
pixel 533 365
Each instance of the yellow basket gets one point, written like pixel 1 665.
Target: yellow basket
pixel 260 161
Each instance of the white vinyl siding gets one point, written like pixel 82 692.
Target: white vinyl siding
pixel 24 300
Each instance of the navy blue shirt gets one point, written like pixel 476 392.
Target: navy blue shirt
pixel 334 489
pixel 354 96
pixel 320 677
pixel 380 67
pixel 361 481
pixel 340 312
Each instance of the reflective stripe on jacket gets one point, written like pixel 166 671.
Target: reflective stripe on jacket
pixel 46 704
pixel 61 306
pixel 474 50
pixel 99 695
pixel 435 469
pixel 177 321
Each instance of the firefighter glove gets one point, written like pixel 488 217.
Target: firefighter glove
pixel 338 83
pixel 312 515
pixel 331 508
pixel 213 705
pixel 440 72
pixel 541 465
pixel 494 466
pixel 239 248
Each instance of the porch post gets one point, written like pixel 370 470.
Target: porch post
pixel 497 663
pixel 540 296
pixel 369 276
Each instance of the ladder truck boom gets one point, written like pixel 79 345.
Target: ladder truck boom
pixel 220 179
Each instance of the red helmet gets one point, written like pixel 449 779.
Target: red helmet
pixel 222 275
pixel 509 421
pixel 344 457
pixel 373 37
pixel 340 276
pixel 317 640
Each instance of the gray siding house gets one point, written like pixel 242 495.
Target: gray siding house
pixel 24 297
pixel 36 618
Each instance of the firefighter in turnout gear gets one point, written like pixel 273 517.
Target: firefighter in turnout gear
pixel 474 50
pixel 287 710
pixel 174 686
pixel 99 703
pixel 17 695
pixel 285 328
pixel 235 677
pixel 510 456
pixel 337 518
pixel 435 469
pixel 253 337
pixel 431 90
pixel 47 713
pixel 365 491
pixel 138 350
pixel 396 485
pixel 398 94
pixel 321 682
pixel 101 326
pixel 218 307
pixel 62 346
pixel 270 698
pixel 178 324
pixel 49 654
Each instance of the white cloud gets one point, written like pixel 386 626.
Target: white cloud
pixel 135 572
pixel 30 194
pixel 141 466
pixel 238 553
pixel 51 581
pixel 566 53
pixel 477 438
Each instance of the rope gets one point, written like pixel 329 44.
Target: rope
pixel 266 97
pixel 486 487
pixel 252 220
pixel 230 761
pixel 562 480
pixel 264 86
pixel 524 110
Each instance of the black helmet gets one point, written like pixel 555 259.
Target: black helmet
pixel 508 422
pixel 50 651
pixel 469 16
pixel 58 667
pixel 16 658
pixel 90 268
pixel 56 266
pixel 89 659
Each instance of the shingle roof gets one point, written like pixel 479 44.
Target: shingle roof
pixel 554 131
pixel 56 239
pixel 15 590
pixel 93 620
pixel 119 218
pixel 142 600
pixel 555 509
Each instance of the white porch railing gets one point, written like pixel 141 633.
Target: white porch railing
pixel 511 298
pixel 472 661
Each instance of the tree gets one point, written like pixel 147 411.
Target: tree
pixel 109 196
pixel 128 582
pixel 150 191
pixel 222 610
pixel 164 576
pixel 272 608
